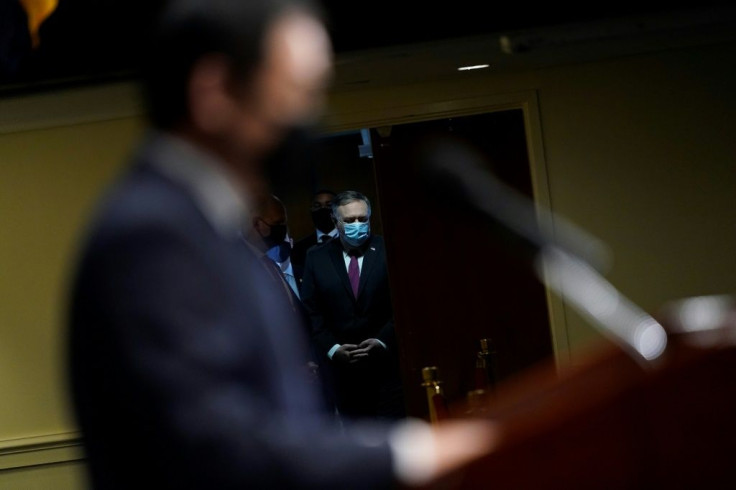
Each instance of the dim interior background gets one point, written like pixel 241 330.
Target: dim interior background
pixel 630 138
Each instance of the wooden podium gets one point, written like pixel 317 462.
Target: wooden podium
pixel 611 423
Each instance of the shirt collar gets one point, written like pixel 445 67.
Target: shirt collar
pixel 333 233
pixel 214 189
pixel 286 267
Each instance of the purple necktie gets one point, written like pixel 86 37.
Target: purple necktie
pixel 354 274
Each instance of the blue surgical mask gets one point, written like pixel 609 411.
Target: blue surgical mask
pixel 280 252
pixel 355 234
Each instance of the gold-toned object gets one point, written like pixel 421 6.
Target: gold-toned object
pixel 485 345
pixel 37 11
pixel 486 375
pixel 430 374
pixel 435 394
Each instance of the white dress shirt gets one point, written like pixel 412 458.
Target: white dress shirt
pixel 288 270
pixel 320 234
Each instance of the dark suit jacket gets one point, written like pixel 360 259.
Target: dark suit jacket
pixel 299 251
pixel 337 317
pixel 299 276
pixel 294 300
pixel 186 364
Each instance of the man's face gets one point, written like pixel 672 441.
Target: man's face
pixel 323 200
pixel 322 212
pixel 352 212
pixel 353 223
pixel 272 217
pixel 271 226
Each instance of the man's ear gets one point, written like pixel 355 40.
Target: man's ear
pixel 257 226
pixel 210 104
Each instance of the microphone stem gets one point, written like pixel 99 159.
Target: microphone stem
pixel 596 299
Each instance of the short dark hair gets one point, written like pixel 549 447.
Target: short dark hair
pixel 324 191
pixel 263 203
pixel 187 30
pixel 346 197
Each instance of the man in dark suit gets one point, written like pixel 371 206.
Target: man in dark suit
pixel 268 232
pixel 185 359
pixel 347 294
pixel 324 227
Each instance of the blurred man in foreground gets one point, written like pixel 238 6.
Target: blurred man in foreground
pixel 185 359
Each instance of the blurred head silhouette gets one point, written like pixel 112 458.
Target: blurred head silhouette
pixel 237 77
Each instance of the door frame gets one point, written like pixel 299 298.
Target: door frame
pixel 346 116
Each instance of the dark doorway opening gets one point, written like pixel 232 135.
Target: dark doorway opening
pixel 454 280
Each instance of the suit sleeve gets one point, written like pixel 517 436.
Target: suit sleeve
pixel 323 338
pixel 387 335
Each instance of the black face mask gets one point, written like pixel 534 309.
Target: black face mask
pixel 277 235
pixel 322 219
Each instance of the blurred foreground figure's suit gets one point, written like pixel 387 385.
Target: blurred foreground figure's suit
pixel 186 362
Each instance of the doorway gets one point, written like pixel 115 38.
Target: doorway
pixel 455 280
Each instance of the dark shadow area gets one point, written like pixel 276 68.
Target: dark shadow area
pixel 86 41
pixel 455 279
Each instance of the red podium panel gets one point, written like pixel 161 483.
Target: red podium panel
pixel 612 423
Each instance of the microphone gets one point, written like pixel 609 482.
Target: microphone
pixel 566 258
pixel 454 174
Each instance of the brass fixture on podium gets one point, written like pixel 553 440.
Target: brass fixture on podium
pixel 486 372
pixel 435 395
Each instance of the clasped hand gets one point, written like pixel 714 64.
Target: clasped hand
pixel 352 353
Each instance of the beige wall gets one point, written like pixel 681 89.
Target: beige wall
pixel 641 153
pixel 638 151
pixel 56 153
pixel 61 476
pixel 49 178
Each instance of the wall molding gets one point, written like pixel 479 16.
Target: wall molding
pixel 41 450
pixel 70 106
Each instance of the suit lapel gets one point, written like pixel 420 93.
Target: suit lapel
pixel 338 261
pixel 370 259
